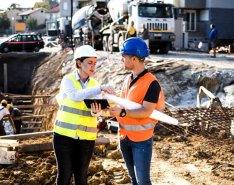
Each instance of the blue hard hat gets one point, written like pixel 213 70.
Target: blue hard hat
pixel 135 46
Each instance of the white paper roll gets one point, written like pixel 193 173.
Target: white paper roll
pixel 132 105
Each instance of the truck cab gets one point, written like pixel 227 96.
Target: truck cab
pixel 159 20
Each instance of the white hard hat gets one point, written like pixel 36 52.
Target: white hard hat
pixel 84 51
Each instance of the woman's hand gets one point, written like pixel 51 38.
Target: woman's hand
pixel 96 108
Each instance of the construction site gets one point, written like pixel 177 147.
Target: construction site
pixel 199 93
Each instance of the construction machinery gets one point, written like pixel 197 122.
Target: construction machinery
pixel 158 18
pixel 105 24
pixel 91 19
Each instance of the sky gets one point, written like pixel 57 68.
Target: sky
pixel 4 4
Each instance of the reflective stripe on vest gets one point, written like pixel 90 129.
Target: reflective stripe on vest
pixel 74 118
pixel 137 127
pixel 74 110
pixel 75 127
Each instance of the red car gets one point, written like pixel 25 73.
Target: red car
pixel 22 42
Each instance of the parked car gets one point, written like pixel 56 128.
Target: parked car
pixel 22 42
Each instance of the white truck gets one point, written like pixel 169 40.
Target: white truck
pixel 105 24
pixel 157 16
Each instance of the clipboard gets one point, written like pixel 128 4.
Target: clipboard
pixel 104 103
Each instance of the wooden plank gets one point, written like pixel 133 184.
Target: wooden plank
pixel 23 101
pixel 49 146
pixel 9 143
pixel 28 135
pixel 35 147
pixel 177 69
pixel 33 106
pixel 30 128
pixel 32 122
pixel 27 111
pixel 29 117
pixel 155 64
pixel 14 96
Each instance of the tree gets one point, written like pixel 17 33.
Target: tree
pixel 5 22
pixel 14 6
pixel 44 4
pixel 31 23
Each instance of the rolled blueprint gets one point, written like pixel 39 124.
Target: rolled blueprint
pixel 132 105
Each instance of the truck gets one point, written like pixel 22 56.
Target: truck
pixel 91 19
pixel 111 27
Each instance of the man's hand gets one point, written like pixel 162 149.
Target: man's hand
pixel 115 111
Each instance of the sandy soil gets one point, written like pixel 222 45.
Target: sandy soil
pixel 177 160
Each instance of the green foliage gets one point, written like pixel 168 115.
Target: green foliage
pixel 44 4
pixel 5 22
pixel 31 23
pixel 14 6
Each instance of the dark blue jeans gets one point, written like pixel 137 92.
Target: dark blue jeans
pixel 73 157
pixel 137 156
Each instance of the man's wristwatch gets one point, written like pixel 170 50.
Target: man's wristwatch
pixel 122 113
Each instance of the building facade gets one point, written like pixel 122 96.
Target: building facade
pixel 195 17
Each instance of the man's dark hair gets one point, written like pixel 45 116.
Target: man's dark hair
pixel 212 26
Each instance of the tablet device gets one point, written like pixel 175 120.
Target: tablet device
pixel 104 103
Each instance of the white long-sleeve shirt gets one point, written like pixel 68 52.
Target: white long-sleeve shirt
pixel 3 112
pixel 67 89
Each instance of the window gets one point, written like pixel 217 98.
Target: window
pixel 65 6
pixel 26 38
pixel 161 11
pixel 191 20
pixel 15 39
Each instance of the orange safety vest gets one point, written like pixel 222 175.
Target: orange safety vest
pixel 138 129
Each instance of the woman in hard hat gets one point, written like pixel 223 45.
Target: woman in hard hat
pixel 75 128
pixel 136 127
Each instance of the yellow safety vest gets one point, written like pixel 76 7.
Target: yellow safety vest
pixel 74 118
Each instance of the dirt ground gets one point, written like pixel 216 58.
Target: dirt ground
pixel 180 157
pixel 177 160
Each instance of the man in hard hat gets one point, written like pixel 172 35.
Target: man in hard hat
pixel 75 128
pixel 136 128
pixel 4 112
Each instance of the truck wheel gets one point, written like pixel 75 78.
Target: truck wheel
pixel 121 41
pixel 105 43
pixel 164 49
pixel 110 44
